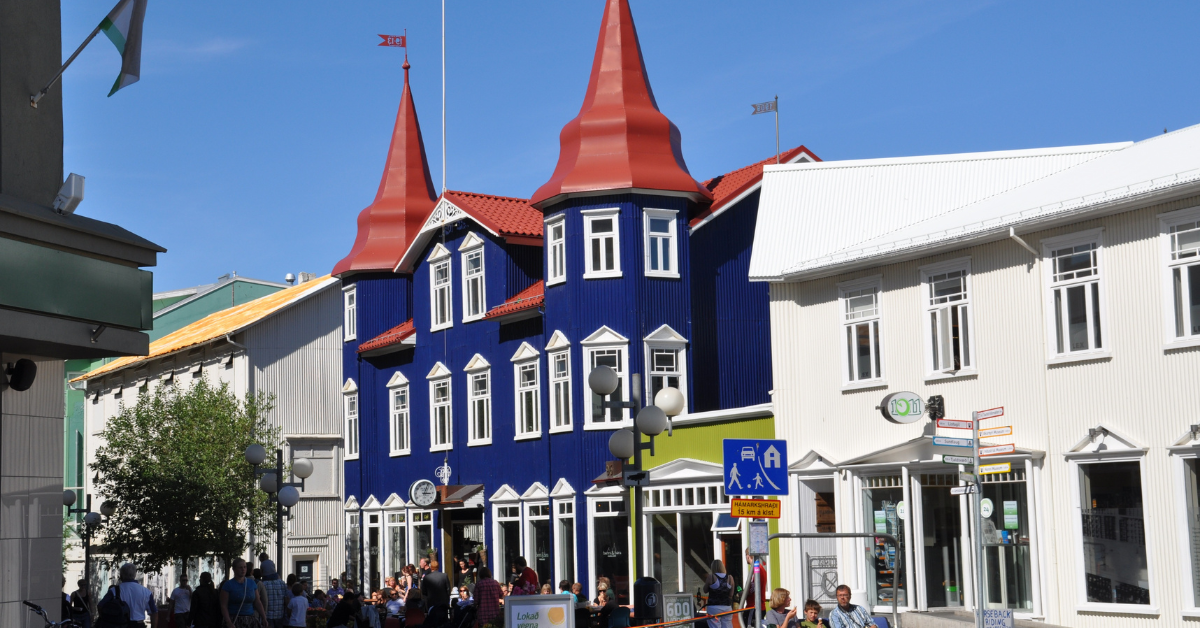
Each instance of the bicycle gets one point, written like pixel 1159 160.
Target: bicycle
pixel 66 623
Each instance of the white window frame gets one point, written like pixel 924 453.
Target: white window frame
pixel 498 535
pixel 349 313
pixel 665 339
pixel 527 519
pixel 1049 245
pixel 399 421
pixel 556 250
pixel 609 497
pixel 1166 222
pixel 874 322
pixel 352 423
pixel 1180 456
pixel 590 216
pixel 474 438
pixel 557 505
pixel 608 340
pixel 672 255
pixel 434 382
pixel 534 365
pixel 1082 604
pixel 441 257
pixel 472 247
pixel 557 424
pixel 942 312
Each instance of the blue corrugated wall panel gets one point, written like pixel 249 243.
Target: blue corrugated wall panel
pixel 730 315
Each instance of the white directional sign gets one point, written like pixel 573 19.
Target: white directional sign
pixel 988 414
pixel 946 441
pixel 996 450
pixel 966 477
pixel 954 424
pixel 964 490
pixel 958 459
pixel 996 431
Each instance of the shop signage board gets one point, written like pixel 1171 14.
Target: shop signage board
pixel 967 477
pixel 997 618
pixel 954 424
pixel 539 611
pixel 988 414
pixel 997 450
pixel 946 441
pixel 1003 467
pixel 755 508
pixel 964 490
pixel 967 460
pixel 755 467
pixel 679 606
pixel 1012 519
pixel 996 431
pixel 902 407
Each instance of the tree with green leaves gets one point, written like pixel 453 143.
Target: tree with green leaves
pixel 174 464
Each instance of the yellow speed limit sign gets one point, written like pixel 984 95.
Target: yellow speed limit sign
pixel 755 508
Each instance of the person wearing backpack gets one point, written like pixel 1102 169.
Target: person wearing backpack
pixel 127 604
pixel 719 586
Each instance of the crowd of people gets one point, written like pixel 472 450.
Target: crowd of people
pixel 421 596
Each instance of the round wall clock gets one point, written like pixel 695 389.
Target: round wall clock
pixel 422 493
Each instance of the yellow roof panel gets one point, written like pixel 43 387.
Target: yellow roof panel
pixel 217 325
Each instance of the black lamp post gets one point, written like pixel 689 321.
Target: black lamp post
pixel 627 443
pixel 285 494
pixel 90 520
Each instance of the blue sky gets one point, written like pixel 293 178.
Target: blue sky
pixel 259 129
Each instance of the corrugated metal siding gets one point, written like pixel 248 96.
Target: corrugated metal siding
pixel 1142 391
pixel 731 338
pixel 812 210
pixel 523 268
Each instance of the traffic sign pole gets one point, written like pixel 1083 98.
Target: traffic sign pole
pixel 975 418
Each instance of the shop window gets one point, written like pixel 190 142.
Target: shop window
pixel 1074 280
pixel 946 287
pixel 537 521
pixel 508 536
pixel 397 542
pixel 610 545
pixel 1114 533
pixel 1181 258
pixel 565 520
pixel 1006 527
pixel 881 499
pixel 353 542
pixel 860 312
pixel 422 533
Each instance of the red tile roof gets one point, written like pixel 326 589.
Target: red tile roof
pixel 619 140
pixel 393 336
pixel 502 214
pixel 730 185
pixel 405 197
pixel 532 297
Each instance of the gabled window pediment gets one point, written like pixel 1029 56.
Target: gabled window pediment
pixel 665 334
pixel 438 252
pixel 471 241
pixel 478 362
pixel 604 336
pixel 505 494
pixel 438 371
pixel 349 387
pixel 525 352
pixel 398 379
pixel 558 340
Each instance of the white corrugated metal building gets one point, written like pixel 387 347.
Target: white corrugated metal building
pixel 289 345
pixel 1053 282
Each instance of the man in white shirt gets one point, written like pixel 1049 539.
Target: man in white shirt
pixel 139 598
pixel 181 603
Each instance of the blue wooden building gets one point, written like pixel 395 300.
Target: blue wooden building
pixel 472 320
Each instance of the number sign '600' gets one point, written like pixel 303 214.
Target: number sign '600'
pixel 679 606
pixel 902 407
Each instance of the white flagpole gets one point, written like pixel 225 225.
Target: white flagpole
pixel 443 96
pixel 776 129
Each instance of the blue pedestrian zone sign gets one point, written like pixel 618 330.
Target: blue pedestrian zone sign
pixel 755 467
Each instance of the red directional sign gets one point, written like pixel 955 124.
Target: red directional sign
pixel 398 41
pixel 954 424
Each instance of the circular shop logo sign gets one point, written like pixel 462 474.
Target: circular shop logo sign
pixel 902 407
pixel 985 508
pixel 651 600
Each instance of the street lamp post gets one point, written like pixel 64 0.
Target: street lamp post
pixel 627 443
pixel 90 520
pixel 284 494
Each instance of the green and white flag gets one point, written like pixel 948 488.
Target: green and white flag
pixel 124 27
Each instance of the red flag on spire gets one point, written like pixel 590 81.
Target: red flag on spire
pixel 398 41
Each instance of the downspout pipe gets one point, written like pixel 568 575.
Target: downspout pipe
pixel 1012 233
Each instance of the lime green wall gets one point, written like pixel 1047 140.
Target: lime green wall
pixel 704 442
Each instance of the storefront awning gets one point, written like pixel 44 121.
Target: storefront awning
pixel 460 495
pixel 922 449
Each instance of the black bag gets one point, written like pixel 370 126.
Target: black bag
pixel 114 612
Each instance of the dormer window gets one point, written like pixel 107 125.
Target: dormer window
pixel 603 243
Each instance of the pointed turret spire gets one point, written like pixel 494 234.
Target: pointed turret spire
pixel 619 140
pixel 406 196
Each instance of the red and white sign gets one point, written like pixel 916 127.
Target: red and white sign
pixel 997 450
pixel 953 424
pixel 398 41
pixel 996 431
pixel 988 414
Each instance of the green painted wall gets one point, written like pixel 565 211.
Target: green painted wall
pixel 161 303
pixel 704 442
pixel 227 296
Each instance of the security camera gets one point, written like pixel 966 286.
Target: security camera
pixel 70 195
pixel 21 374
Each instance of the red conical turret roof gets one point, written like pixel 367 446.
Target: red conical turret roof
pixel 619 140
pixel 406 196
